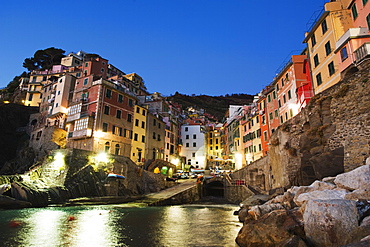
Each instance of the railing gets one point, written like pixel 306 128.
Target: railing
pixel 362 52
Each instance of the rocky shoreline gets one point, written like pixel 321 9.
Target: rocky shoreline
pixel 332 212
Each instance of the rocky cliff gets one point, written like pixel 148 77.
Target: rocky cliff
pixel 330 136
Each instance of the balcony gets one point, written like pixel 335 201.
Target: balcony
pixel 362 52
pixel 79 134
pixel 350 34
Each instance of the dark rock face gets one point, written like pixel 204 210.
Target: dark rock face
pixel 13 132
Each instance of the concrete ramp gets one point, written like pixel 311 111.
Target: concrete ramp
pixel 186 191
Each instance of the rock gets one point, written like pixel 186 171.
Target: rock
pixel 317 185
pixel 358 195
pixel 319 195
pixel 320 185
pixel 277 228
pixel 365 221
pixel 254 200
pixel 260 210
pixel 243 214
pixel 329 180
pixel 286 199
pixel 9 202
pixel 357 179
pixel 328 222
pixel 363 208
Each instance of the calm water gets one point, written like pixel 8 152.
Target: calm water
pixel 121 225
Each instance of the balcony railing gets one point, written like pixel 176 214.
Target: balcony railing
pixel 362 52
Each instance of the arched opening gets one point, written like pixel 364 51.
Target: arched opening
pixel 117 150
pixel 107 147
pixel 215 188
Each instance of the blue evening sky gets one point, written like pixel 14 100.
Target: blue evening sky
pixel 211 47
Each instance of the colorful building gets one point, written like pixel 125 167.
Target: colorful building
pixel 321 40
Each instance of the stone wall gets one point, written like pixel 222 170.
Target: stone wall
pixel 330 136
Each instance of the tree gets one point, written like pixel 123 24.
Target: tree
pixel 44 59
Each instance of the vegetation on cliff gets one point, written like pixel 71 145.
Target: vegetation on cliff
pixel 217 106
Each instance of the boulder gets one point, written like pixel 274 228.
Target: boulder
pixel 319 195
pixel 357 179
pixel 328 222
pixel 286 199
pixel 260 210
pixel 277 228
pixel 358 195
pixel 254 200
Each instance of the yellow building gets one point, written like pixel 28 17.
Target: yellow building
pixel 139 138
pixel 34 94
pixel 321 41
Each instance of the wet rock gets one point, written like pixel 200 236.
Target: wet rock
pixel 328 222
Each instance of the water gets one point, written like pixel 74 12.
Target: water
pixel 120 225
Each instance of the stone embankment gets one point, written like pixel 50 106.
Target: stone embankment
pixel 332 212
pixel 79 175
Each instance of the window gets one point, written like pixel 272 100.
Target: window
pixel 289 95
pixel 86 80
pixel 316 60
pixel 313 40
pixel 108 93
pixel 136 136
pixel 154 135
pixel 216 147
pixel 271 116
pixel 265 135
pixel 129 118
pixel 187 137
pixel 354 11
pixel 282 82
pixel 120 98
pixel 118 114
pixel 331 68
pixel 137 110
pixel 284 98
pixel 194 136
pixel 291 112
pixel 279 103
pixel 343 54
pixel 86 64
pixel 142 138
pixel 368 21
pixel 105 127
pixel 263 120
pixel 186 129
pixel 327 48
pixel 130 102
pixel 137 122
pixel 324 27
pixel 143 124
pixel 274 94
pixel 143 112
pixel 193 154
pixel 106 110
pixel 154 122
pixel 269 98
pixel 159 137
pixel 286 115
pixel 318 79
pixel 187 144
pixel 194 144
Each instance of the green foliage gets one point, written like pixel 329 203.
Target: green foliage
pixel 44 59
pixel 217 106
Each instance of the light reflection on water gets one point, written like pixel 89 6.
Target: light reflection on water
pixel 121 225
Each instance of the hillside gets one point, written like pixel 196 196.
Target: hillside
pixel 214 105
